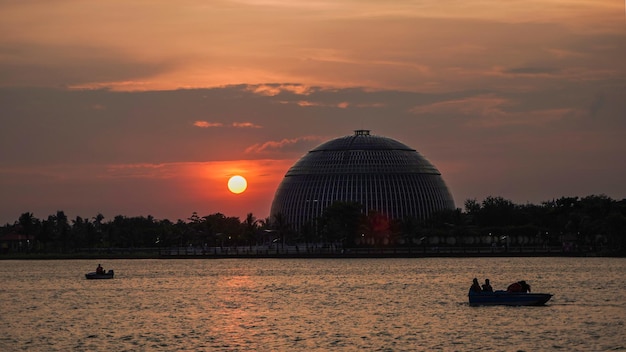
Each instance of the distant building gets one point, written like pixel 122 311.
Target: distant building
pixel 16 242
pixel 380 173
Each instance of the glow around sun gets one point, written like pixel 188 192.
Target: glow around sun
pixel 237 184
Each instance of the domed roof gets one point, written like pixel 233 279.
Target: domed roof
pixel 380 173
pixel 362 153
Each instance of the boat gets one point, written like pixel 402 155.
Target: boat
pixel 97 276
pixel 505 298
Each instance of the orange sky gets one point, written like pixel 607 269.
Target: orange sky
pixel 403 45
pixel 146 107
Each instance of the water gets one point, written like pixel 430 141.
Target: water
pixel 304 304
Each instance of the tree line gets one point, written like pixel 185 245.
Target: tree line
pixel 590 223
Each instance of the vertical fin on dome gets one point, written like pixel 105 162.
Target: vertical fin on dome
pixel 347 153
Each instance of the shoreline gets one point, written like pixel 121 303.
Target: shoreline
pixel 274 255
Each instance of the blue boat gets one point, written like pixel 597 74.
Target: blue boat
pixel 505 298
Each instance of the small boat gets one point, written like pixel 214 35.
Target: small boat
pixel 505 298
pixel 96 276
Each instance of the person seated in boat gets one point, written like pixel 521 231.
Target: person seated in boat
pixel 99 269
pixel 475 286
pixel 525 286
pixel 487 286
pixel 520 286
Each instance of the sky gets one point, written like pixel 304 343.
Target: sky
pixel 147 107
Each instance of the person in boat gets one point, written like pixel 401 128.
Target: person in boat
pixel 520 286
pixel 99 269
pixel 475 286
pixel 525 286
pixel 487 286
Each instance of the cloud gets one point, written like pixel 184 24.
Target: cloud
pixel 597 104
pixel 483 104
pixel 245 125
pixel 491 111
pixel 293 144
pixel 534 118
pixel 140 170
pixel 341 45
pixel 206 124
pixel 343 105
pixel 340 105
pixel 531 71
pixel 305 103
pixel 276 89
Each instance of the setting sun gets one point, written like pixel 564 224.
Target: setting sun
pixel 237 184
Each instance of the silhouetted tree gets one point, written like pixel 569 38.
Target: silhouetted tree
pixel 340 223
pixel 592 222
pixel 281 228
pixel 376 228
pixel 250 229
pixel 62 231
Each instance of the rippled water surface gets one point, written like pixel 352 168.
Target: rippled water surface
pixel 303 304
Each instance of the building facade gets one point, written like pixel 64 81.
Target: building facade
pixel 380 173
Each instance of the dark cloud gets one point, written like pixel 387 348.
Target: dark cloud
pixel 27 65
pixel 532 70
pixel 596 104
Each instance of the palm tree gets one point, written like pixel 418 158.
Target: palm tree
pixel 97 225
pixel 250 228
pixel 281 227
pixel 29 226
pixel 62 229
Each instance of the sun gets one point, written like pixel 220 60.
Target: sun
pixel 237 184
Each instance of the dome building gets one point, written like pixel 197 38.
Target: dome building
pixel 380 173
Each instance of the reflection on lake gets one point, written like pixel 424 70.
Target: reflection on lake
pixel 309 304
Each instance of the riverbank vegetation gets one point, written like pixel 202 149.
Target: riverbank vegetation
pixel 593 224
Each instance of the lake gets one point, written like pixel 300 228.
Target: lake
pixel 415 304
